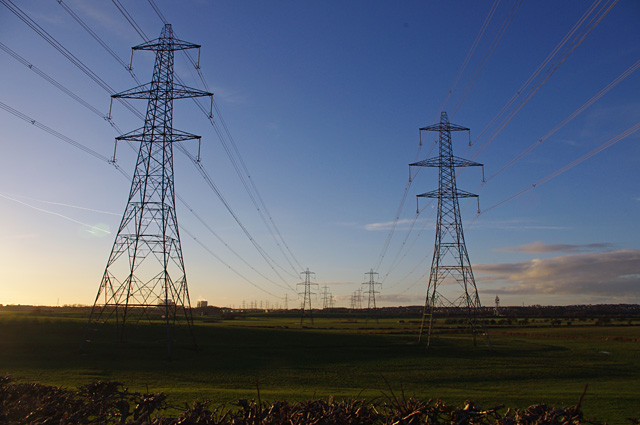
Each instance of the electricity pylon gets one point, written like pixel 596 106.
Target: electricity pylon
pixel 327 297
pixel 371 290
pixel 359 297
pixel 306 300
pixel 145 275
pixel 450 262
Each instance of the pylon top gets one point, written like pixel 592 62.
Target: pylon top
pixel 166 42
pixel 444 125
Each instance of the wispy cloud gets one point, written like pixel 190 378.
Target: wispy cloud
pixel 339 283
pixel 518 224
pixel 611 273
pixel 600 117
pixel 228 95
pixel 541 247
pixel 387 225
pixel 79 207
pixel 396 299
pixel 23 236
pixel 108 19
pixel 569 142
pixel 91 229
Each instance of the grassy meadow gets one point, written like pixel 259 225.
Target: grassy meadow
pixel 282 360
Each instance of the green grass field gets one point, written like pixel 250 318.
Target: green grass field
pixel 333 357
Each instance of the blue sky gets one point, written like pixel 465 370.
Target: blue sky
pixel 324 101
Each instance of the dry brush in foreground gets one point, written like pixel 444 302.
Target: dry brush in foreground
pixel 112 403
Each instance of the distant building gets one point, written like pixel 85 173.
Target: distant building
pixel 202 304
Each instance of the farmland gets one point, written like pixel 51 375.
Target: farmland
pixel 533 361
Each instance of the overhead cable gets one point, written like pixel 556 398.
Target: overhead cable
pixel 238 164
pixel 60 48
pixel 487 55
pixel 569 166
pixel 98 39
pixel 103 158
pixel 207 178
pixel 568 50
pixel 568 119
pixel 59 86
pixel 472 49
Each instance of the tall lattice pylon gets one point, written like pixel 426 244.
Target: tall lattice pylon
pixel 306 294
pixel 450 262
pixel 371 291
pixel 145 275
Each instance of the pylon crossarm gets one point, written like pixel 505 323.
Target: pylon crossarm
pixel 464 194
pixel 444 127
pixel 431 194
pixel 447 194
pixel 184 92
pixel 147 91
pixel 161 44
pixel 431 162
pixel 140 135
pixel 141 92
pixel 461 162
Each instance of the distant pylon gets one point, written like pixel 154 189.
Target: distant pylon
pixel 353 304
pixel 145 275
pixel 371 290
pixel 450 262
pixel 327 298
pixel 306 300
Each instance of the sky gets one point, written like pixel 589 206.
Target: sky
pixel 323 101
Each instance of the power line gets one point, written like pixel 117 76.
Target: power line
pixel 157 10
pixel 98 39
pixel 53 132
pixel 206 225
pixel 238 164
pixel 103 158
pixel 82 147
pixel 573 44
pixel 58 85
pixel 141 33
pixel 130 19
pixel 568 119
pixel 544 63
pixel 487 55
pixel 60 48
pixel 569 166
pixel 474 45
pixel 472 49
pixel 387 242
pixel 213 254
pixel 215 189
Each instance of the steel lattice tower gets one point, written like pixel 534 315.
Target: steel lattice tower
pixel 306 300
pixel 450 262
pixel 145 275
pixel 371 283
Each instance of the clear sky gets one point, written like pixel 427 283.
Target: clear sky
pixel 323 100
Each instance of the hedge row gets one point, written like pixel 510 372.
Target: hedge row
pixel 112 403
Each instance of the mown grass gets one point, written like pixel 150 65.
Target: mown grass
pixel 334 357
